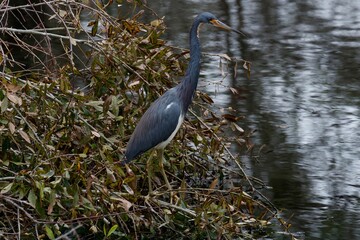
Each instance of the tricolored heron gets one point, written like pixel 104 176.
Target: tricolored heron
pixel 161 121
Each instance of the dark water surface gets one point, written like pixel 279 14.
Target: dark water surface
pixel 303 99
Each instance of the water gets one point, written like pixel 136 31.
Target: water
pixel 303 98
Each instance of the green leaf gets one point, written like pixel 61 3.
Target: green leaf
pixel 66 174
pixel 4 105
pixel 94 29
pixel 22 192
pixel 49 232
pixel 48 174
pixel 52 201
pixel 32 198
pixel 25 136
pixel 98 105
pixel 40 186
pixel 56 181
pixel 7 188
pixel 112 229
pixel 104 230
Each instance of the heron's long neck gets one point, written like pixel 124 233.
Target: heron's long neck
pixel 189 83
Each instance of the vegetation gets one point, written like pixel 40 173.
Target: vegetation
pixel 68 107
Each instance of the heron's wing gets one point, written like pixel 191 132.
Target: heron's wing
pixel 155 126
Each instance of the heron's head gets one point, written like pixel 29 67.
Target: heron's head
pixel 207 17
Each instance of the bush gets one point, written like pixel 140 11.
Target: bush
pixel 61 147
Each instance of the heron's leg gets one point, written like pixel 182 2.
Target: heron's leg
pixel 161 163
pixel 150 170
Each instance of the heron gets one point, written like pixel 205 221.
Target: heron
pixel 162 120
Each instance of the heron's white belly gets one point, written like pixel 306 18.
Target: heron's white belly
pixel 167 141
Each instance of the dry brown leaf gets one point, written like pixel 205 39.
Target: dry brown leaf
pixel 25 136
pixel 214 183
pixel 156 22
pixel 11 127
pixel 95 133
pixel 12 88
pixel 134 83
pixel 230 117
pixel 15 99
pixel 234 91
pixel 183 189
pixel 129 189
pixel 224 55
pixel 126 205
pixel 237 127
pixel 62 13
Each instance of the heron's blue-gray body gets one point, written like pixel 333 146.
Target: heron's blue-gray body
pixel 162 120
pixel 159 125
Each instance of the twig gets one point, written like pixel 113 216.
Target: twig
pixel 36 231
pixel 169 205
pixel 73 230
pixel 47 34
pixel 7 178
pixel 19 225
pixel 71 39
pixel 19 207
pixel 10 8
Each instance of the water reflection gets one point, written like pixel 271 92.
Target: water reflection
pixel 303 99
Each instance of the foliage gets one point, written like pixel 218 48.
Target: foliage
pixel 61 148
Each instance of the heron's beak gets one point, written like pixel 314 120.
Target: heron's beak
pixel 219 24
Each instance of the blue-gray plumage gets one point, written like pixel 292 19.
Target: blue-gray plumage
pixel 156 125
pixel 162 120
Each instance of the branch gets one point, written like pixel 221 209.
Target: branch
pixel 8 200
pixel 42 33
pixel 8 8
